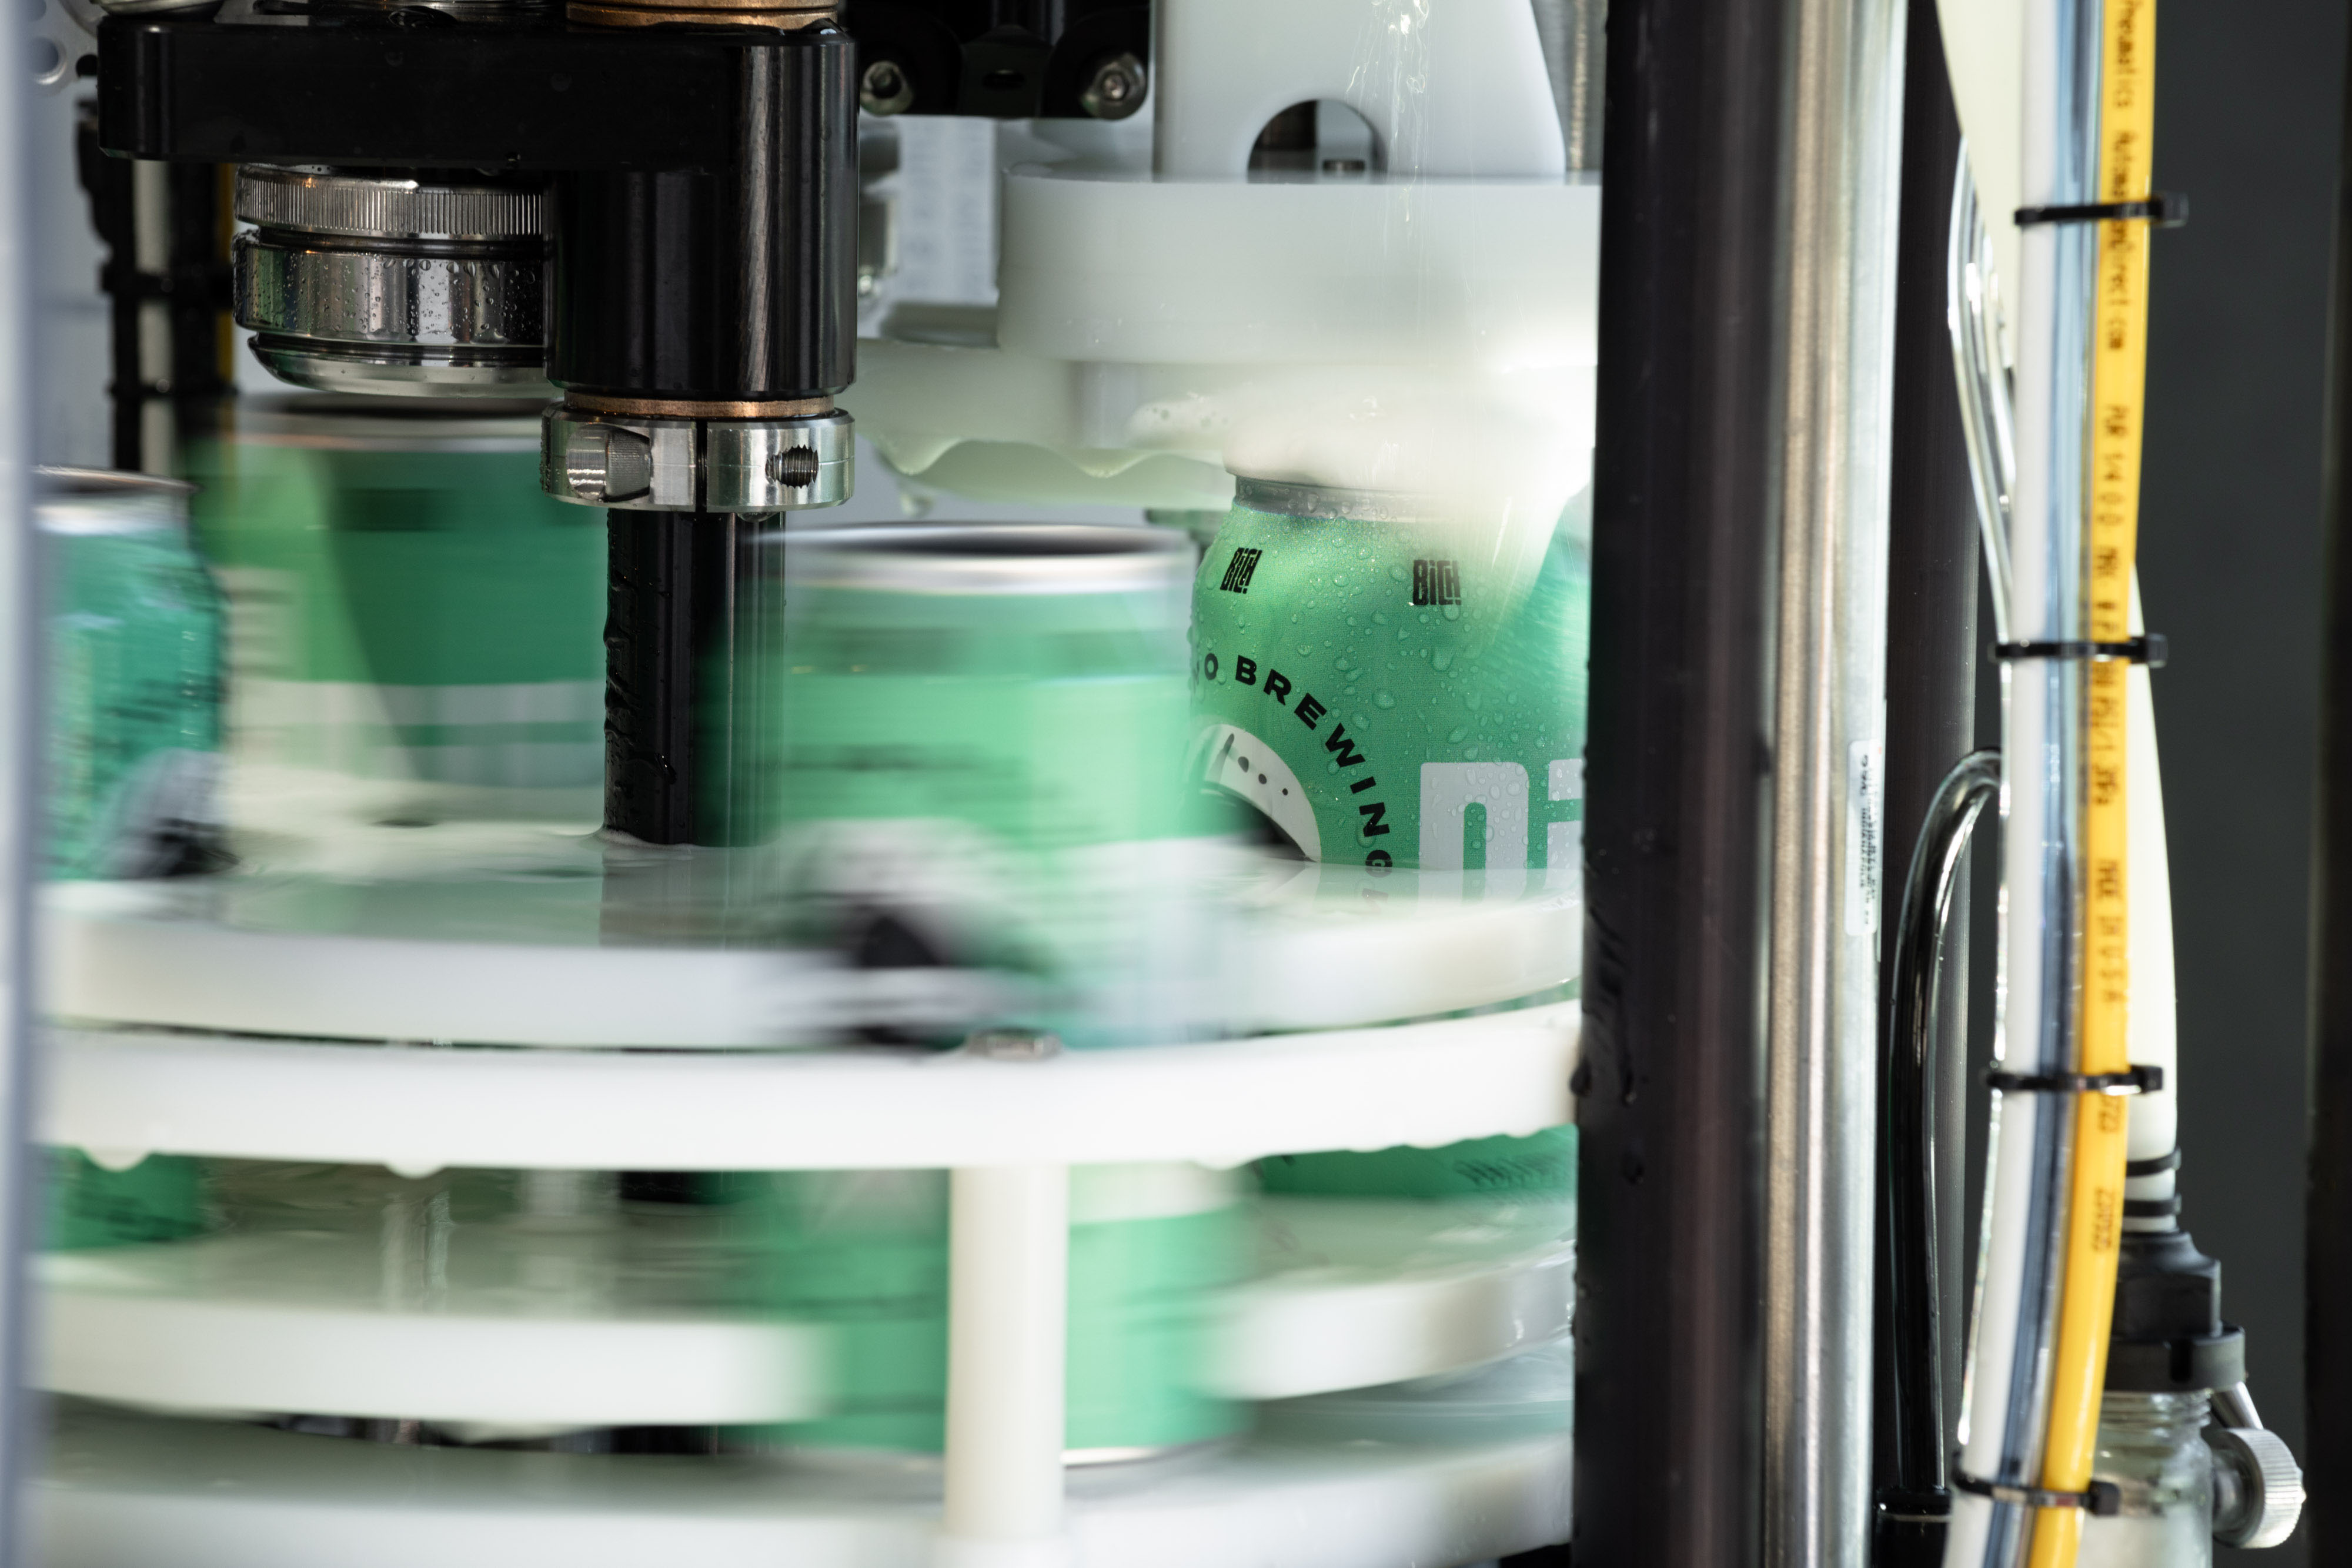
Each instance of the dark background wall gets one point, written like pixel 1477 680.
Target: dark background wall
pixel 2248 107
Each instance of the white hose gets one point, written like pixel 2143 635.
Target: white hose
pixel 2154 1033
pixel 2006 1404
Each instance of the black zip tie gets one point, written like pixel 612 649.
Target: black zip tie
pixel 2165 209
pixel 2138 1081
pixel 2151 650
pixel 2104 1499
pixel 2156 1166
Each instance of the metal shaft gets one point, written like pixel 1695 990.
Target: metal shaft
pixel 1828 720
pixel 680 639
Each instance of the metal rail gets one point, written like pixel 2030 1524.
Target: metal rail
pixel 1828 750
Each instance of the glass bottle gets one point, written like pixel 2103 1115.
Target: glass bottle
pixel 2151 1447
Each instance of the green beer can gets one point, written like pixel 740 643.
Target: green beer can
pixel 1391 687
pixel 983 734
pixel 134 648
pixel 90 1205
pixel 1391 684
pixel 1540 1166
pixel 417 631
pixel 1153 1248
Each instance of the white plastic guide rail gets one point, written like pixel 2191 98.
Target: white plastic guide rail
pixel 122 1094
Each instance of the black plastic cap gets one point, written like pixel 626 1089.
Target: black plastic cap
pixel 2166 1290
pixel 2169 1336
pixel 2179 1366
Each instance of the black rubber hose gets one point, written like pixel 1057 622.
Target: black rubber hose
pixel 1921 1495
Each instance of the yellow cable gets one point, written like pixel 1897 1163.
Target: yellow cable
pixel 2119 400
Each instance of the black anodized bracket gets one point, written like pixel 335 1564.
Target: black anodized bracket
pixel 332 88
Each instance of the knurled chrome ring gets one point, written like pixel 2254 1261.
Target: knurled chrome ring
pixel 369 207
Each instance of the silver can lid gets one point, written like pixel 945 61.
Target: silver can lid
pixel 993 558
pixel 104 501
pixel 342 422
pixel 317 200
pixel 1331 502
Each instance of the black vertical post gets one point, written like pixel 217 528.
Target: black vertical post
pixel 107 183
pixel 1687 482
pixel 1932 570
pixel 193 288
pixel 672 643
pixel 197 298
pixel 2328 1233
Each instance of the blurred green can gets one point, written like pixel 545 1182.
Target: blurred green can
pixel 1392 686
pixel 1535 1169
pixel 416 629
pixel 160 1199
pixel 984 733
pixel 134 679
pixel 1152 1247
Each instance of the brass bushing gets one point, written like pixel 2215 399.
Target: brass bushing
pixel 689 408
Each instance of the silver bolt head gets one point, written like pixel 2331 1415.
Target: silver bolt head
pixel 1117 89
pixel 607 462
pixel 885 88
pixel 1013 1044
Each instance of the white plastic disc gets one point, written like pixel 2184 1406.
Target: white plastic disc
pixel 582 1325
pixel 132 1491
pixel 422 1110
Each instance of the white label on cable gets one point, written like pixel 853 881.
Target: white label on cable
pixel 1865 785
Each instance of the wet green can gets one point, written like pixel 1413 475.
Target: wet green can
pixel 134 679
pixel 1391 687
pixel 1391 684
pixel 417 631
pixel 984 733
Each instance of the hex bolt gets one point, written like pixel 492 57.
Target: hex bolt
pixel 1013 1044
pixel 1116 87
pixel 885 88
pixel 608 463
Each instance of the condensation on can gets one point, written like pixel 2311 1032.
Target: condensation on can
pixel 134 651
pixel 1391 688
